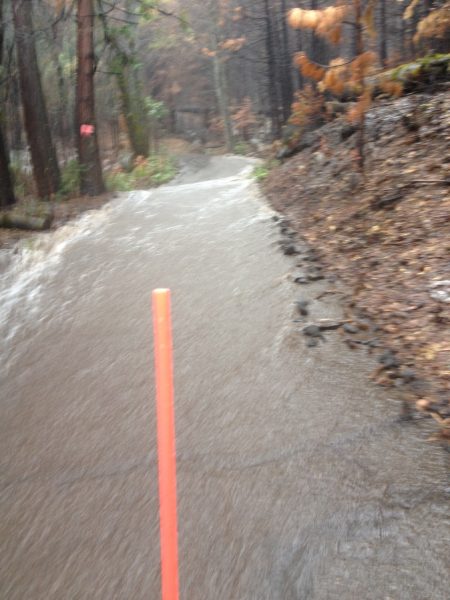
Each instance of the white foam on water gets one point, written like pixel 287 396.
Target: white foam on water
pixel 36 260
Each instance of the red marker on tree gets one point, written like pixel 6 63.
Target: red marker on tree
pixel 86 130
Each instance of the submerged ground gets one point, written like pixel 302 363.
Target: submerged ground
pixel 297 479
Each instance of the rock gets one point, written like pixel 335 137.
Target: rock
pixel 350 328
pixel 329 324
pixel 290 250
pixel 315 275
pixel 441 291
pixel 311 256
pixel 312 342
pixel 302 307
pixel 300 279
pixel 388 360
pixel 313 331
pixel 407 374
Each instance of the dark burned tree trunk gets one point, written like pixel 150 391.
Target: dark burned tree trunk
pixel 6 188
pixel 383 34
pixel 287 85
pixel 43 155
pixel 359 48
pixel 91 178
pixel 271 71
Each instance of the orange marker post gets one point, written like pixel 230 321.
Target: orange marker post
pixel 166 444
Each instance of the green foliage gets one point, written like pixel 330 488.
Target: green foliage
pixel 23 182
pixel 242 148
pixel 147 10
pixel 147 172
pixel 156 110
pixel 70 179
pixel 261 172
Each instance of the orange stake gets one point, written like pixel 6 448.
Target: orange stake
pixel 166 444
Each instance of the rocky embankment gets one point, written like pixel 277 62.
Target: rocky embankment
pixel 385 234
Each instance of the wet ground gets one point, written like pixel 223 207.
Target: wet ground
pixel 296 478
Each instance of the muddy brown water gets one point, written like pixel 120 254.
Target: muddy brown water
pixel 296 479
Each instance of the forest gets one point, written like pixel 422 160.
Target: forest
pixel 88 87
pixel 273 176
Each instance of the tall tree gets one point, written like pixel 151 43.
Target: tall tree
pixel 124 63
pixel 91 177
pixel 271 70
pixel 43 155
pixel 383 34
pixel 6 187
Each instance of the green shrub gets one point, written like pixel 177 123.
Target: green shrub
pixel 23 182
pixel 260 172
pixel 70 179
pixel 242 148
pixel 147 172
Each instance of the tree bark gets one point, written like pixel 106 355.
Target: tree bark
pixel 222 99
pixel 7 196
pixel 43 155
pixel 359 48
pixel 271 72
pixel 91 177
pixel 130 88
pixel 383 35
pixel 287 84
pixel 20 221
pixel 6 187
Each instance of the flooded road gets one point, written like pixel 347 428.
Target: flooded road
pixel 296 479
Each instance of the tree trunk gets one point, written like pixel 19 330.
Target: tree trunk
pixel 6 187
pixel 287 86
pixel 383 35
pixel 91 177
pixel 133 106
pixel 15 118
pixel 222 99
pixel 14 220
pixel 43 155
pixel 359 48
pixel 271 72
pixel 130 88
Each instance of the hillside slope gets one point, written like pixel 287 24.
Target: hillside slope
pixel 386 234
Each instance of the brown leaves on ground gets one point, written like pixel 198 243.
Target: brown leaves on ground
pixel 387 233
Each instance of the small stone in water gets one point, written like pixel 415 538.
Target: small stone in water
pixel 349 328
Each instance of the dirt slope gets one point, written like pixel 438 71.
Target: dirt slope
pixel 385 234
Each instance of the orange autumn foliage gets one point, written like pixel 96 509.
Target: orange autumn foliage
pixel 308 68
pixel 357 112
pixel 326 22
pixel 434 25
pixel 308 103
